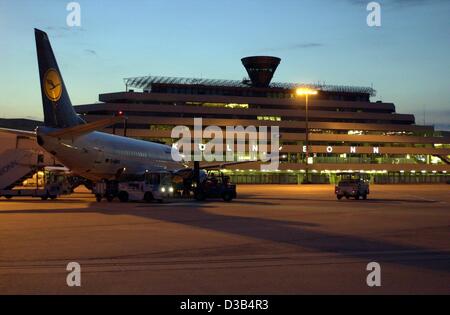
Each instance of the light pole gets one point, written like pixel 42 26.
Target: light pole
pixel 306 92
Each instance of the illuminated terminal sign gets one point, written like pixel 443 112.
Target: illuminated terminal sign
pixel 329 149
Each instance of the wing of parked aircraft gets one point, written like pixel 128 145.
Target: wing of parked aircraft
pixel 71 131
pixel 23 133
pixel 223 164
pixel 85 128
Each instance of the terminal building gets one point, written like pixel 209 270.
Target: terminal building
pixel 346 130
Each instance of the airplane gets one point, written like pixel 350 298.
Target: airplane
pixel 76 144
pixel 94 155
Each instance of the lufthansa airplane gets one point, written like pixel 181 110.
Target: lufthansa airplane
pixel 75 143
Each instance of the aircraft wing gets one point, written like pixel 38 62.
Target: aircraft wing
pixel 23 133
pixel 223 164
pixel 86 128
pixel 207 166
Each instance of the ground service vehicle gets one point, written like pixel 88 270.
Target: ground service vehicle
pixel 355 185
pixel 55 182
pixel 215 185
pixel 147 187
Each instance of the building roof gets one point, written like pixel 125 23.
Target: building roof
pixel 145 82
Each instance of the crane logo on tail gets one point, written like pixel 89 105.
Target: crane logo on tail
pixel 52 85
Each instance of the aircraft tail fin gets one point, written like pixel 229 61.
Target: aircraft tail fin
pixel 58 110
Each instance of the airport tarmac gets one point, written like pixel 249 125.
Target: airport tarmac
pixel 273 239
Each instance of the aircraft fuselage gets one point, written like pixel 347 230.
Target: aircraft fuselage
pixel 97 155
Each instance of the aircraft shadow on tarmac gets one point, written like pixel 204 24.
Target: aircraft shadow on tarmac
pixel 303 235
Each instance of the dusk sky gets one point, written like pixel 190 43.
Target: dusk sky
pixel 407 59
